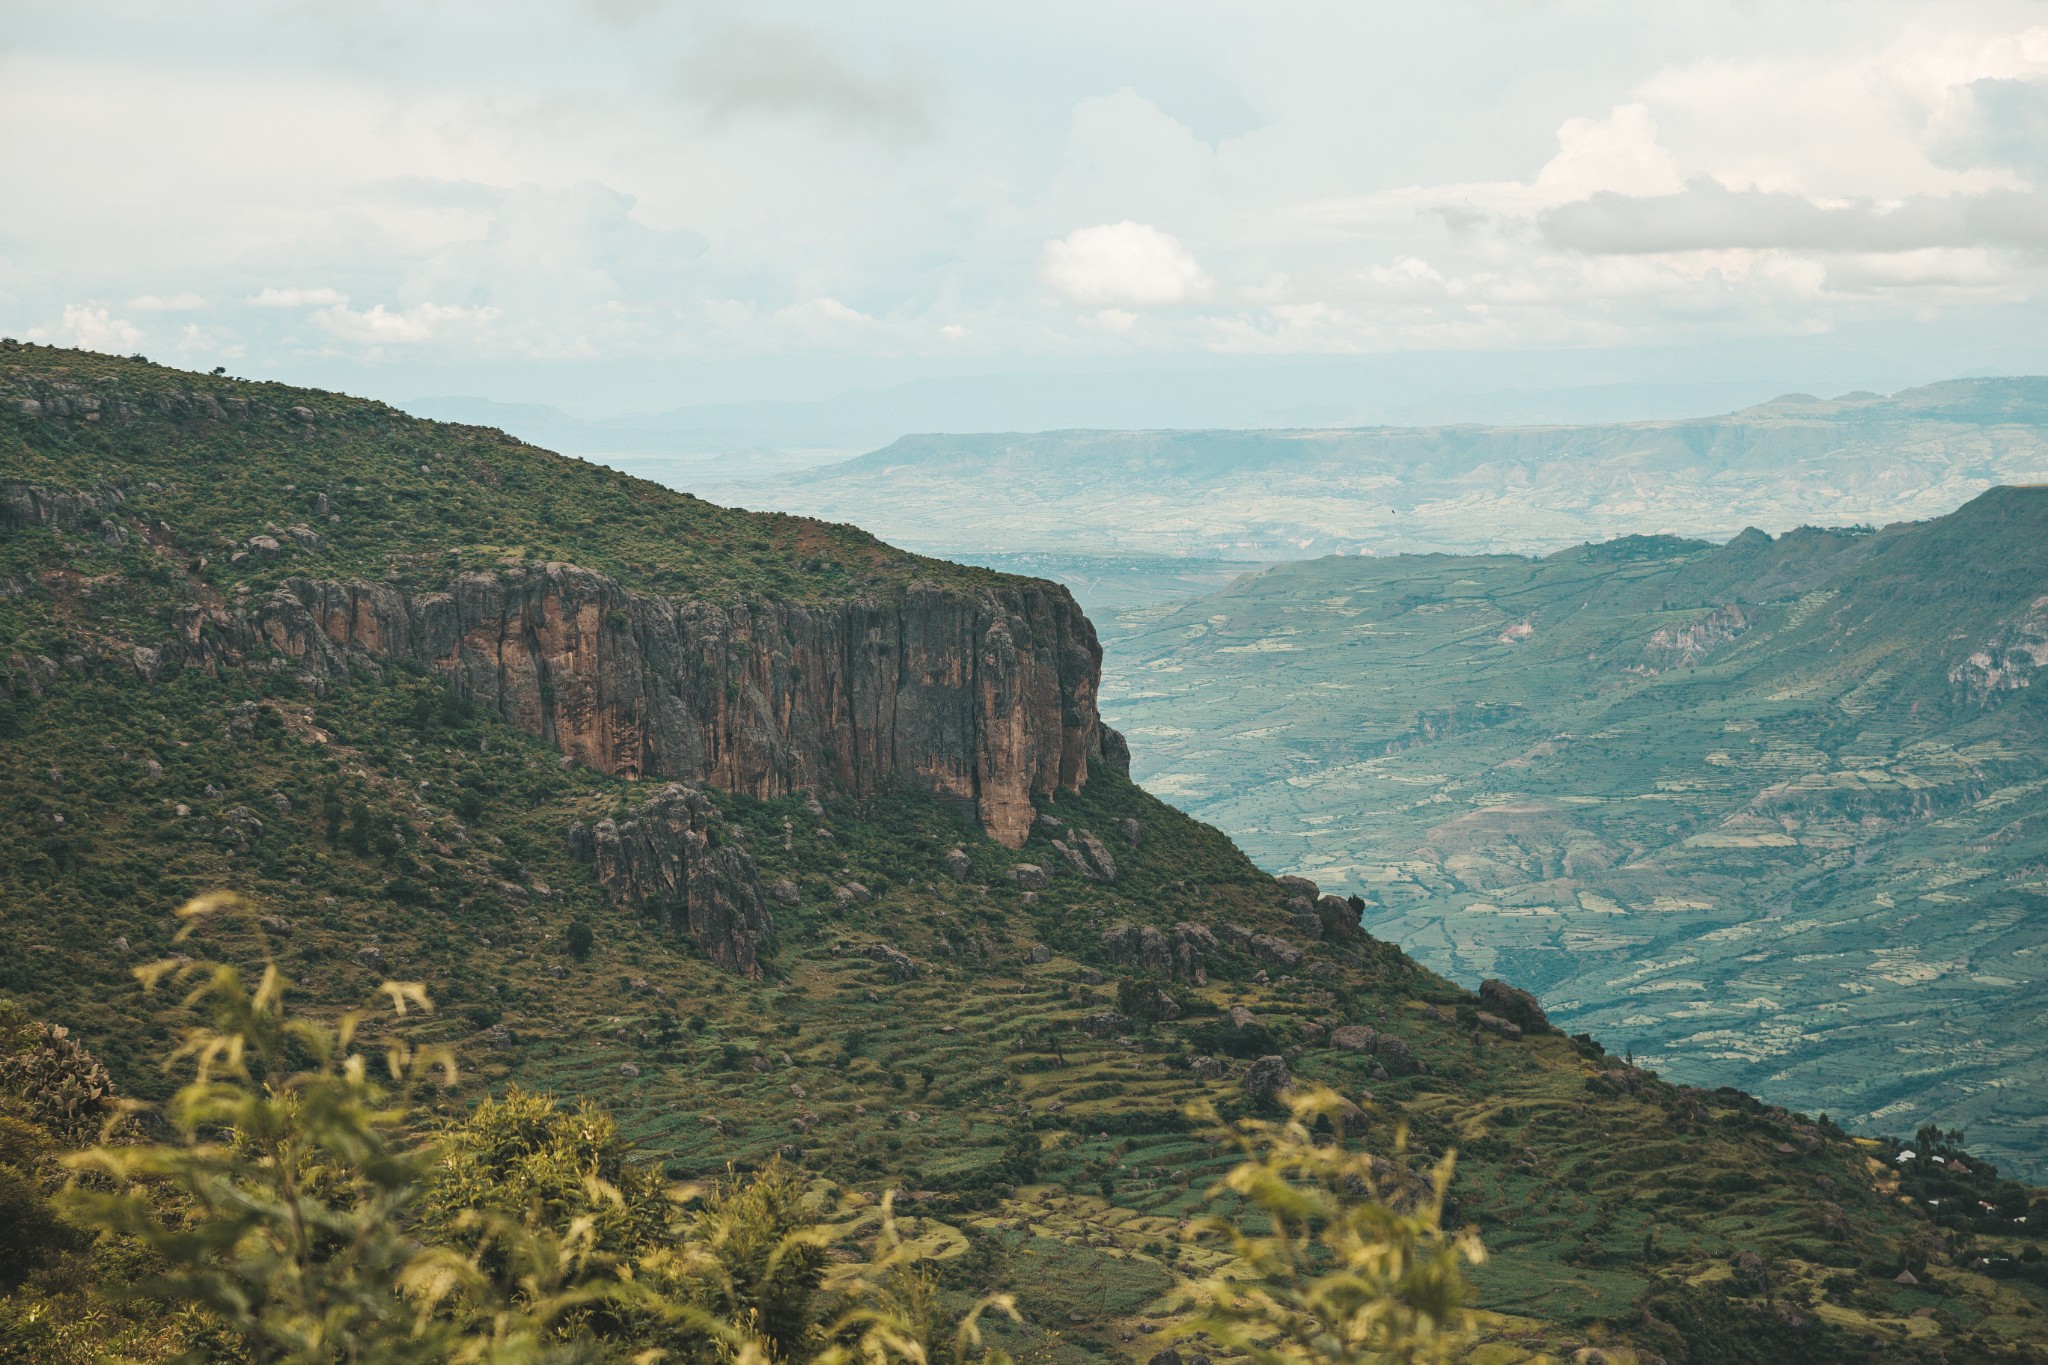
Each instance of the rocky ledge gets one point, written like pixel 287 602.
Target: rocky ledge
pixel 669 862
pixel 986 697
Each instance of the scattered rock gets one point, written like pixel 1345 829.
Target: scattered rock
pixel 1040 954
pixel 1208 1068
pixel 784 890
pixel 1505 1028
pixel 958 865
pixel 1267 1079
pixel 1029 876
pixel 1907 1278
pixel 1516 1006
pixel 895 959
pixel 1105 1024
pixel 264 547
pixel 1240 1017
pixel 627 1069
pixel 372 957
pixel 276 925
pixel 1395 1057
pixel 1179 956
pixel 1340 918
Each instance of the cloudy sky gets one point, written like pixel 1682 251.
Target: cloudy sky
pixel 621 204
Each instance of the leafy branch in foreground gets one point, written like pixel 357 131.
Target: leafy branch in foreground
pixel 1355 1267
pixel 281 1204
pixel 311 1217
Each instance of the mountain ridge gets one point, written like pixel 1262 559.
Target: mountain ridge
pixel 859 978
pixel 1765 809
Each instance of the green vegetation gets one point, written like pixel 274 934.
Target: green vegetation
pixel 1770 814
pixel 385 496
pixel 947 1033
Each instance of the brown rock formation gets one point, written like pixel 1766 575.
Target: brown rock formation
pixel 667 862
pixel 1513 1004
pixel 986 698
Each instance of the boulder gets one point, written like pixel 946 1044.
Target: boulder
pixel 1267 1079
pixel 1177 955
pixel 1029 876
pixel 785 891
pixel 1516 1006
pixel 894 958
pixel 1240 1017
pixel 1504 1027
pixel 1298 886
pixel 1393 1053
pixel 1129 827
pixel 1105 1024
pixel 1208 1068
pixel 265 547
pixel 1340 918
pixel 957 865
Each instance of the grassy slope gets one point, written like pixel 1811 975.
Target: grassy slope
pixel 391 816
pixel 416 499
pixel 1786 866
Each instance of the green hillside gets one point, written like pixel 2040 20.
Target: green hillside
pixel 1001 1045
pixel 1769 813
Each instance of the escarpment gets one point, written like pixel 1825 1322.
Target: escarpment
pixel 984 696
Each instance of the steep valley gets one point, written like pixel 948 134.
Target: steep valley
pixel 781 844
pixel 1768 814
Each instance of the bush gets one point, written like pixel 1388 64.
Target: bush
pixel 581 940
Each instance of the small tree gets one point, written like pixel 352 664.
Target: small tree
pixel 581 940
pixel 293 1188
pixel 1356 1267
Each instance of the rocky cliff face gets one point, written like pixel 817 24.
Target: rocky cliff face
pixel 672 862
pixel 986 697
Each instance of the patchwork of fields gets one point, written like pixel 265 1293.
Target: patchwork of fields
pixel 1771 814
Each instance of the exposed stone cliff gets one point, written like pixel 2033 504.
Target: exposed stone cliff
pixel 985 696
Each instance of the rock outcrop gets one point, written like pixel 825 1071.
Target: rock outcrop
pixel 1178 956
pixel 1393 1053
pixel 986 698
pixel 1086 856
pixel 667 862
pixel 1514 1005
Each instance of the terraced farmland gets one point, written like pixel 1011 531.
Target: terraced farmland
pixel 1772 815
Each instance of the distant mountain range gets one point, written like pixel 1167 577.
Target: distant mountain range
pixel 1772 813
pixel 1284 494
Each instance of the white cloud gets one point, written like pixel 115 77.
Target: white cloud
pixel 1122 265
pixel 172 303
pixel 298 298
pixel 422 322
pixel 91 328
pixel 1619 154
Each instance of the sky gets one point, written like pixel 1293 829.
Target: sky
pixel 633 205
